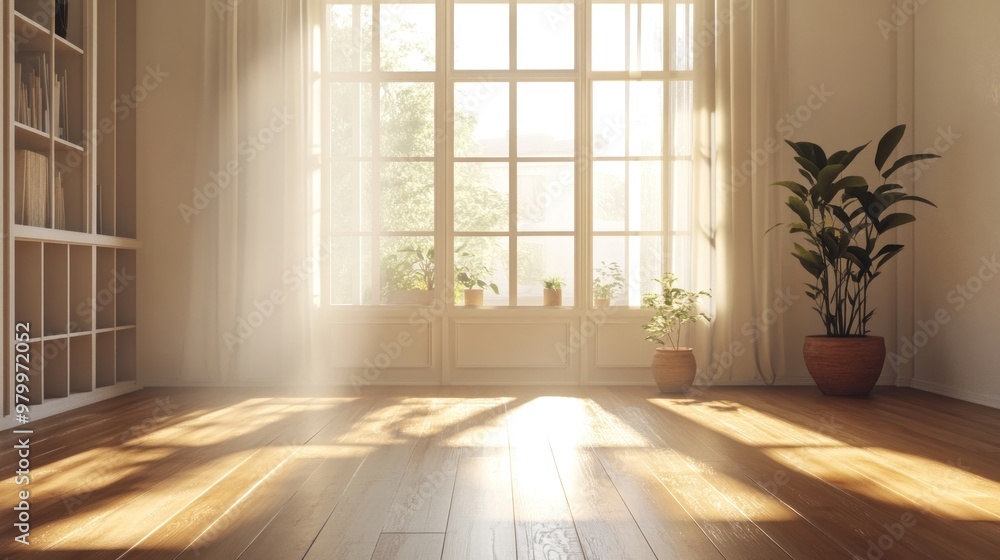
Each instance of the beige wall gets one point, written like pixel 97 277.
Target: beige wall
pixel 837 47
pixel 169 34
pixel 958 109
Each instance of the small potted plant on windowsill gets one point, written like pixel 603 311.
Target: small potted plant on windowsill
pixel 552 295
pixel 674 367
pixel 609 281
pixel 475 279
pixel 408 276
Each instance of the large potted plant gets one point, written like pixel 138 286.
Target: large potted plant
pixel 475 278
pixel 674 367
pixel 609 281
pixel 843 221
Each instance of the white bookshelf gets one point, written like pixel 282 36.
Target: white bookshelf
pixel 73 279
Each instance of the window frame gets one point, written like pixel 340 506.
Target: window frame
pixel 444 78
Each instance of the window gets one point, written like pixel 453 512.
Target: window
pixel 523 140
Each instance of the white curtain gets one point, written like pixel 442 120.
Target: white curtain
pixel 738 61
pixel 249 293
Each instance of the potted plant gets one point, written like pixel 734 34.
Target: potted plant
pixel 474 278
pixel 408 276
pixel 609 281
pixel 674 367
pixel 552 295
pixel 843 221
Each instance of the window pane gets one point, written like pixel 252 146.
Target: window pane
pixel 351 118
pixel 681 190
pixel 350 31
pixel 406 264
pixel 482 119
pixel 645 196
pixel 407 37
pixel 482 36
pixel 351 271
pixel 682 118
pixel 407 196
pixel 646 118
pixel 609 196
pixel 641 260
pixel 608 38
pixel 651 37
pixel 609 118
pixel 545 196
pixel 545 112
pixel 543 257
pixel 407 119
pixel 545 36
pixel 482 197
pixel 488 259
pixel 682 55
pixel 350 191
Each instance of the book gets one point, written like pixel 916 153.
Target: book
pixel 60 203
pixel 31 172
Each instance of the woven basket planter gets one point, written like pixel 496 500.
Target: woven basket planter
pixel 674 370
pixel 844 366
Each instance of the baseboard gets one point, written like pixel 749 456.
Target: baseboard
pixel 961 394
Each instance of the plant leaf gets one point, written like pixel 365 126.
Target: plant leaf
pixel 888 144
pixel 894 221
pixel 808 166
pixel 800 208
pixel 907 160
pixel 796 188
pixel 915 198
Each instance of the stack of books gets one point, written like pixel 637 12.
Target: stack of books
pixel 37 105
pixel 31 172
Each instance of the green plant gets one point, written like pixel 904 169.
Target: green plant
pixel 609 281
pixel 410 268
pixel 843 219
pixel 673 308
pixel 473 276
pixel 553 283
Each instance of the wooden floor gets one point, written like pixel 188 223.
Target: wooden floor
pixel 504 473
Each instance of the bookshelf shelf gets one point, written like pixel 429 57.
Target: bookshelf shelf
pixel 65 47
pixel 73 257
pixel 29 35
pixel 67 146
pixel 30 138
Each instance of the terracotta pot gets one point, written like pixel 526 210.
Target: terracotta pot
pixel 473 297
pixel 552 298
pixel 674 370
pixel 600 303
pixel 844 366
pixel 411 297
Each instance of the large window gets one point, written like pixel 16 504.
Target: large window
pixel 517 142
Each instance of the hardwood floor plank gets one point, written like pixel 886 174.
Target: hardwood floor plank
pixel 353 528
pixel 544 526
pixel 159 466
pixel 292 530
pixel 233 500
pixel 409 546
pixel 877 511
pixel 514 472
pixel 603 522
pixel 481 523
pixel 424 497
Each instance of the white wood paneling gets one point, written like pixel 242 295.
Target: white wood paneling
pixel 389 344
pixel 622 344
pixel 511 345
